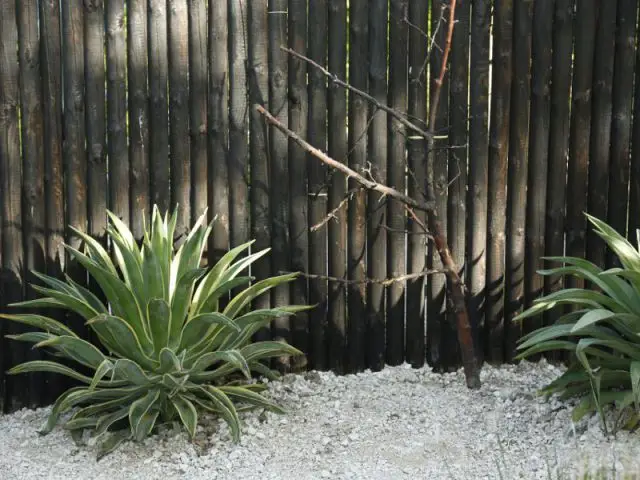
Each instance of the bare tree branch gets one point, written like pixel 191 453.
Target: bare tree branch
pixel 401 118
pixel 384 282
pixel 432 39
pixel 415 218
pixel 455 287
pixel 424 206
pixel 443 68
pixel 332 214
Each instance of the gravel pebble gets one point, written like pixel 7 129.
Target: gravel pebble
pixel 400 423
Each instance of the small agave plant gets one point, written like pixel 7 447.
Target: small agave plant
pixel 599 326
pixel 166 346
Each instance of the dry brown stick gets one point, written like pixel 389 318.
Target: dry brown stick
pixel 320 155
pixel 332 214
pixel 443 68
pixel 397 115
pixel 432 39
pixel 455 287
pixel 415 218
pixel 384 282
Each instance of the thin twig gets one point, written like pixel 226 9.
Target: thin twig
pixel 431 39
pixel 424 206
pixel 394 113
pixel 443 69
pixel 378 281
pixel 332 214
pixel 415 218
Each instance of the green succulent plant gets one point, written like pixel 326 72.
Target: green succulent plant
pixel 166 347
pixel 600 326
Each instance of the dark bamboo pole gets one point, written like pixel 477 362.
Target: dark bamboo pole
pixel 298 174
pixel 33 207
pixel 377 155
pixel 95 127
pixel 318 191
pixel 396 216
pixel 94 62
pixel 478 164
pixel 14 390
pixel 558 140
pixel 158 107
pixel 539 124
pixel 357 140
pixel 117 154
pixel 518 172
pixel 580 134
pixel 258 83
pixel 75 155
pixel 337 148
pixel 218 138
pixel 278 152
pixel 600 147
pixel 438 181
pixel 458 158
pixel 497 183
pixel 634 186
pixel 138 109
pixel 198 77
pixel 621 119
pixel 179 141
pixel 51 55
pixel 238 123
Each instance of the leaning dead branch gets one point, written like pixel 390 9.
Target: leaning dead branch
pixel 424 206
pixel 443 68
pixel 401 118
pixel 455 287
pixel 332 215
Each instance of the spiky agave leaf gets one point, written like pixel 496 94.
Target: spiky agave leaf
pixel 602 331
pixel 165 338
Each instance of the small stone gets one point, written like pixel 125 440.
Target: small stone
pixel 313 377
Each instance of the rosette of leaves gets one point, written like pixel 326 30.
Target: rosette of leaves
pixel 600 327
pixel 165 346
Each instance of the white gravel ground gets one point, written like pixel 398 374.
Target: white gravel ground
pixel 396 424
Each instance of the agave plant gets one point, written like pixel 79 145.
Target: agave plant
pixel 165 344
pixel 600 327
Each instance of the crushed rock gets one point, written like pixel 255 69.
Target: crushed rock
pixel 400 423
